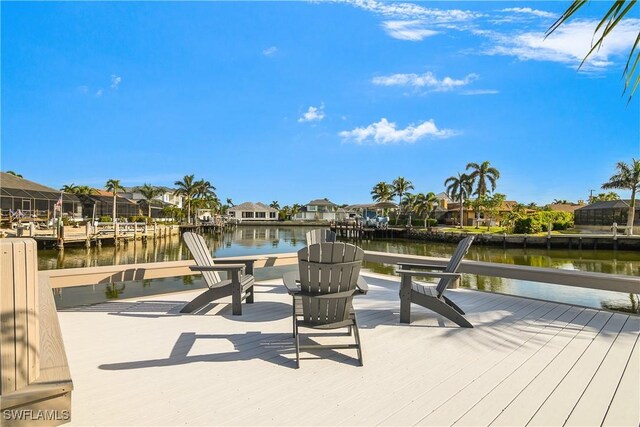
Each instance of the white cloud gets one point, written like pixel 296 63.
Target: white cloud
pixel 529 11
pixel 270 51
pixel 385 132
pixel 569 44
pixel 480 92
pixel 115 81
pixel 407 30
pixel 99 93
pixel 83 89
pixel 414 11
pixel 426 80
pixel 313 114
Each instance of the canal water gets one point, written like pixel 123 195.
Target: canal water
pixel 268 240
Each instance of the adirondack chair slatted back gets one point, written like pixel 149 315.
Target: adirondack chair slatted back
pixel 202 256
pixel 320 236
pixel 454 263
pixel 328 268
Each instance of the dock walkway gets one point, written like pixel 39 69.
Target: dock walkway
pixel 527 362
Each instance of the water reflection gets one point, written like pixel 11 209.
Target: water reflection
pixel 264 240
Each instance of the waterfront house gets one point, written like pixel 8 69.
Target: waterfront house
pixel 249 211
pixel 319 210
pixel 100 204
pixel 452 214
pixel 33 200
pixel 600 216
pixel 167 196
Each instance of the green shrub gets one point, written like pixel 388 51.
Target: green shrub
pixel 539 221
pixel 105 219
pixel 420 222
pixel 140 218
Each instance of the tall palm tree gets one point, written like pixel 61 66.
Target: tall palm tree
pixel 187 188
pixel 401 186
pixel 627 178
pixel 230 202
pixel 149 192
pixel 612 17
pixel 382 192
pixel 114 186
pixel 275 205
pixel 480 174
pixel 459 188
pixel 424 205
pixel 409 205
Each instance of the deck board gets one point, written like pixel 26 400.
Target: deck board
pixel 141 362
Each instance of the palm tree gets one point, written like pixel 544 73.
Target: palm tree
pixel 114 186
pixel 401 186
pixel 275 205
pixel 230 202
pixel 425 204
pixel 14 174
pixel 149 192
pixel 560 202
pixel 69 188
pixel 627 178
pixel 459 188
pixel 382 192
pixel 409 204
pixel 187 188
pixel 480 174
pixel 613 17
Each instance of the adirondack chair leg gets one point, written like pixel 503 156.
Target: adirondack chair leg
pixel 250 295
pixel 405 299
pixel 204 299
pixel 293 317
pixel 236 295
pixel 442 308
pixel 295 333
pixel 453 305
pixel 356 334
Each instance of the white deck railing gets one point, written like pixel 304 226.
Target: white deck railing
pixel 121 273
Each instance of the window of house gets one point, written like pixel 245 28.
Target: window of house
pixel 232 214
pixel 272 214
pixel 312 208
pixel 261 214
pixel 247 214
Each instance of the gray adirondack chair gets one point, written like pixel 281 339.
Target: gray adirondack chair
pixel 320 236
pixel 240 277
pixel 432 297
pixel 328 280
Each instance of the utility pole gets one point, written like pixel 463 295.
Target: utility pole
pixel 591 195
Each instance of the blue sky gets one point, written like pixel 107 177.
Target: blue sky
pixel 294 101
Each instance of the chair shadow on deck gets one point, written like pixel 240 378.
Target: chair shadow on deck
pixel 269 347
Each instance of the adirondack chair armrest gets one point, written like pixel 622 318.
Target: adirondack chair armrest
pixel 227 267
pixel 429 274
pixel 248 262
pixel 336 295
pixel 408 266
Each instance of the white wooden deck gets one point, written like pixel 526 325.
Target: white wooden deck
pixel 527 362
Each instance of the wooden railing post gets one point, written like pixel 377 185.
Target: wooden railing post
pixel 35 382
pixel 19 337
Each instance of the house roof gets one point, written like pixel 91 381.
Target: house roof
pixel 250 206
pixel 564 207
pixel 610 204
pixel 14 186
pixel 444 196
pixel 321 202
